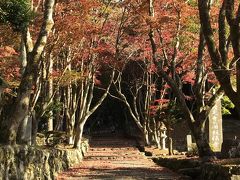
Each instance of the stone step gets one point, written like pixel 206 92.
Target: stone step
pixel 113 149
pixel 99 153
pixel 113 140
pixel 114 157
pixel 112 144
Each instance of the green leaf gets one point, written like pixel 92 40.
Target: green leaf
pixel 17 13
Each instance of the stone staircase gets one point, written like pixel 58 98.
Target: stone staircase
pixel 116 158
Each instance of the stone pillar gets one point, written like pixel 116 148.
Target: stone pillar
pixel 163 136
pixel 215 127
pixel 189 143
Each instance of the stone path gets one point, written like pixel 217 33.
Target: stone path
pixel 116 159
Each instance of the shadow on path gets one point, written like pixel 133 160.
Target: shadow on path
pixel 116 158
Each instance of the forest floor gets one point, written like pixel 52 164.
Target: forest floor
pixel 116 158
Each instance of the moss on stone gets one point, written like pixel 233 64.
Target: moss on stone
pixel 30 163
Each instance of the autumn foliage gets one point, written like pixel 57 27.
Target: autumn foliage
pixel 139 52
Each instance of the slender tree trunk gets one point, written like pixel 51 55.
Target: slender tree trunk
pixel 155 134
pixel 169 139
pixel 145 133
pixel 71 129
pixel 78 135
pixel 23 55
pixel 71 113
pixel 170 146
pixel 67 111
pixel 1 100
pixel 34 128
pixel 58 119
pixel 50 92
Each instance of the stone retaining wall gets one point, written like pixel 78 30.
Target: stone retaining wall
pixel 228 169
pixel 31 163
pixel 176 164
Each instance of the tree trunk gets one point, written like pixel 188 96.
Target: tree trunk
pixel 155 135
pixel 78 135
pixel 50 93
pixel 58 116
pixel 24 134
pixel 71 130
pixel 204 150
pixel 34 127
pixel 145 134
pixel 8 130
pixel 71 107
pixel 170 146
pixel 23 59
pixel 146 138
pixel 219 56
pixel 169 139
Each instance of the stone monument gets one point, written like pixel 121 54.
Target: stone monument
pixel 189 142
pixel 215 127
pixel 163 136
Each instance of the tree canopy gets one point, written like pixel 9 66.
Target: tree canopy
pixel 163 61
